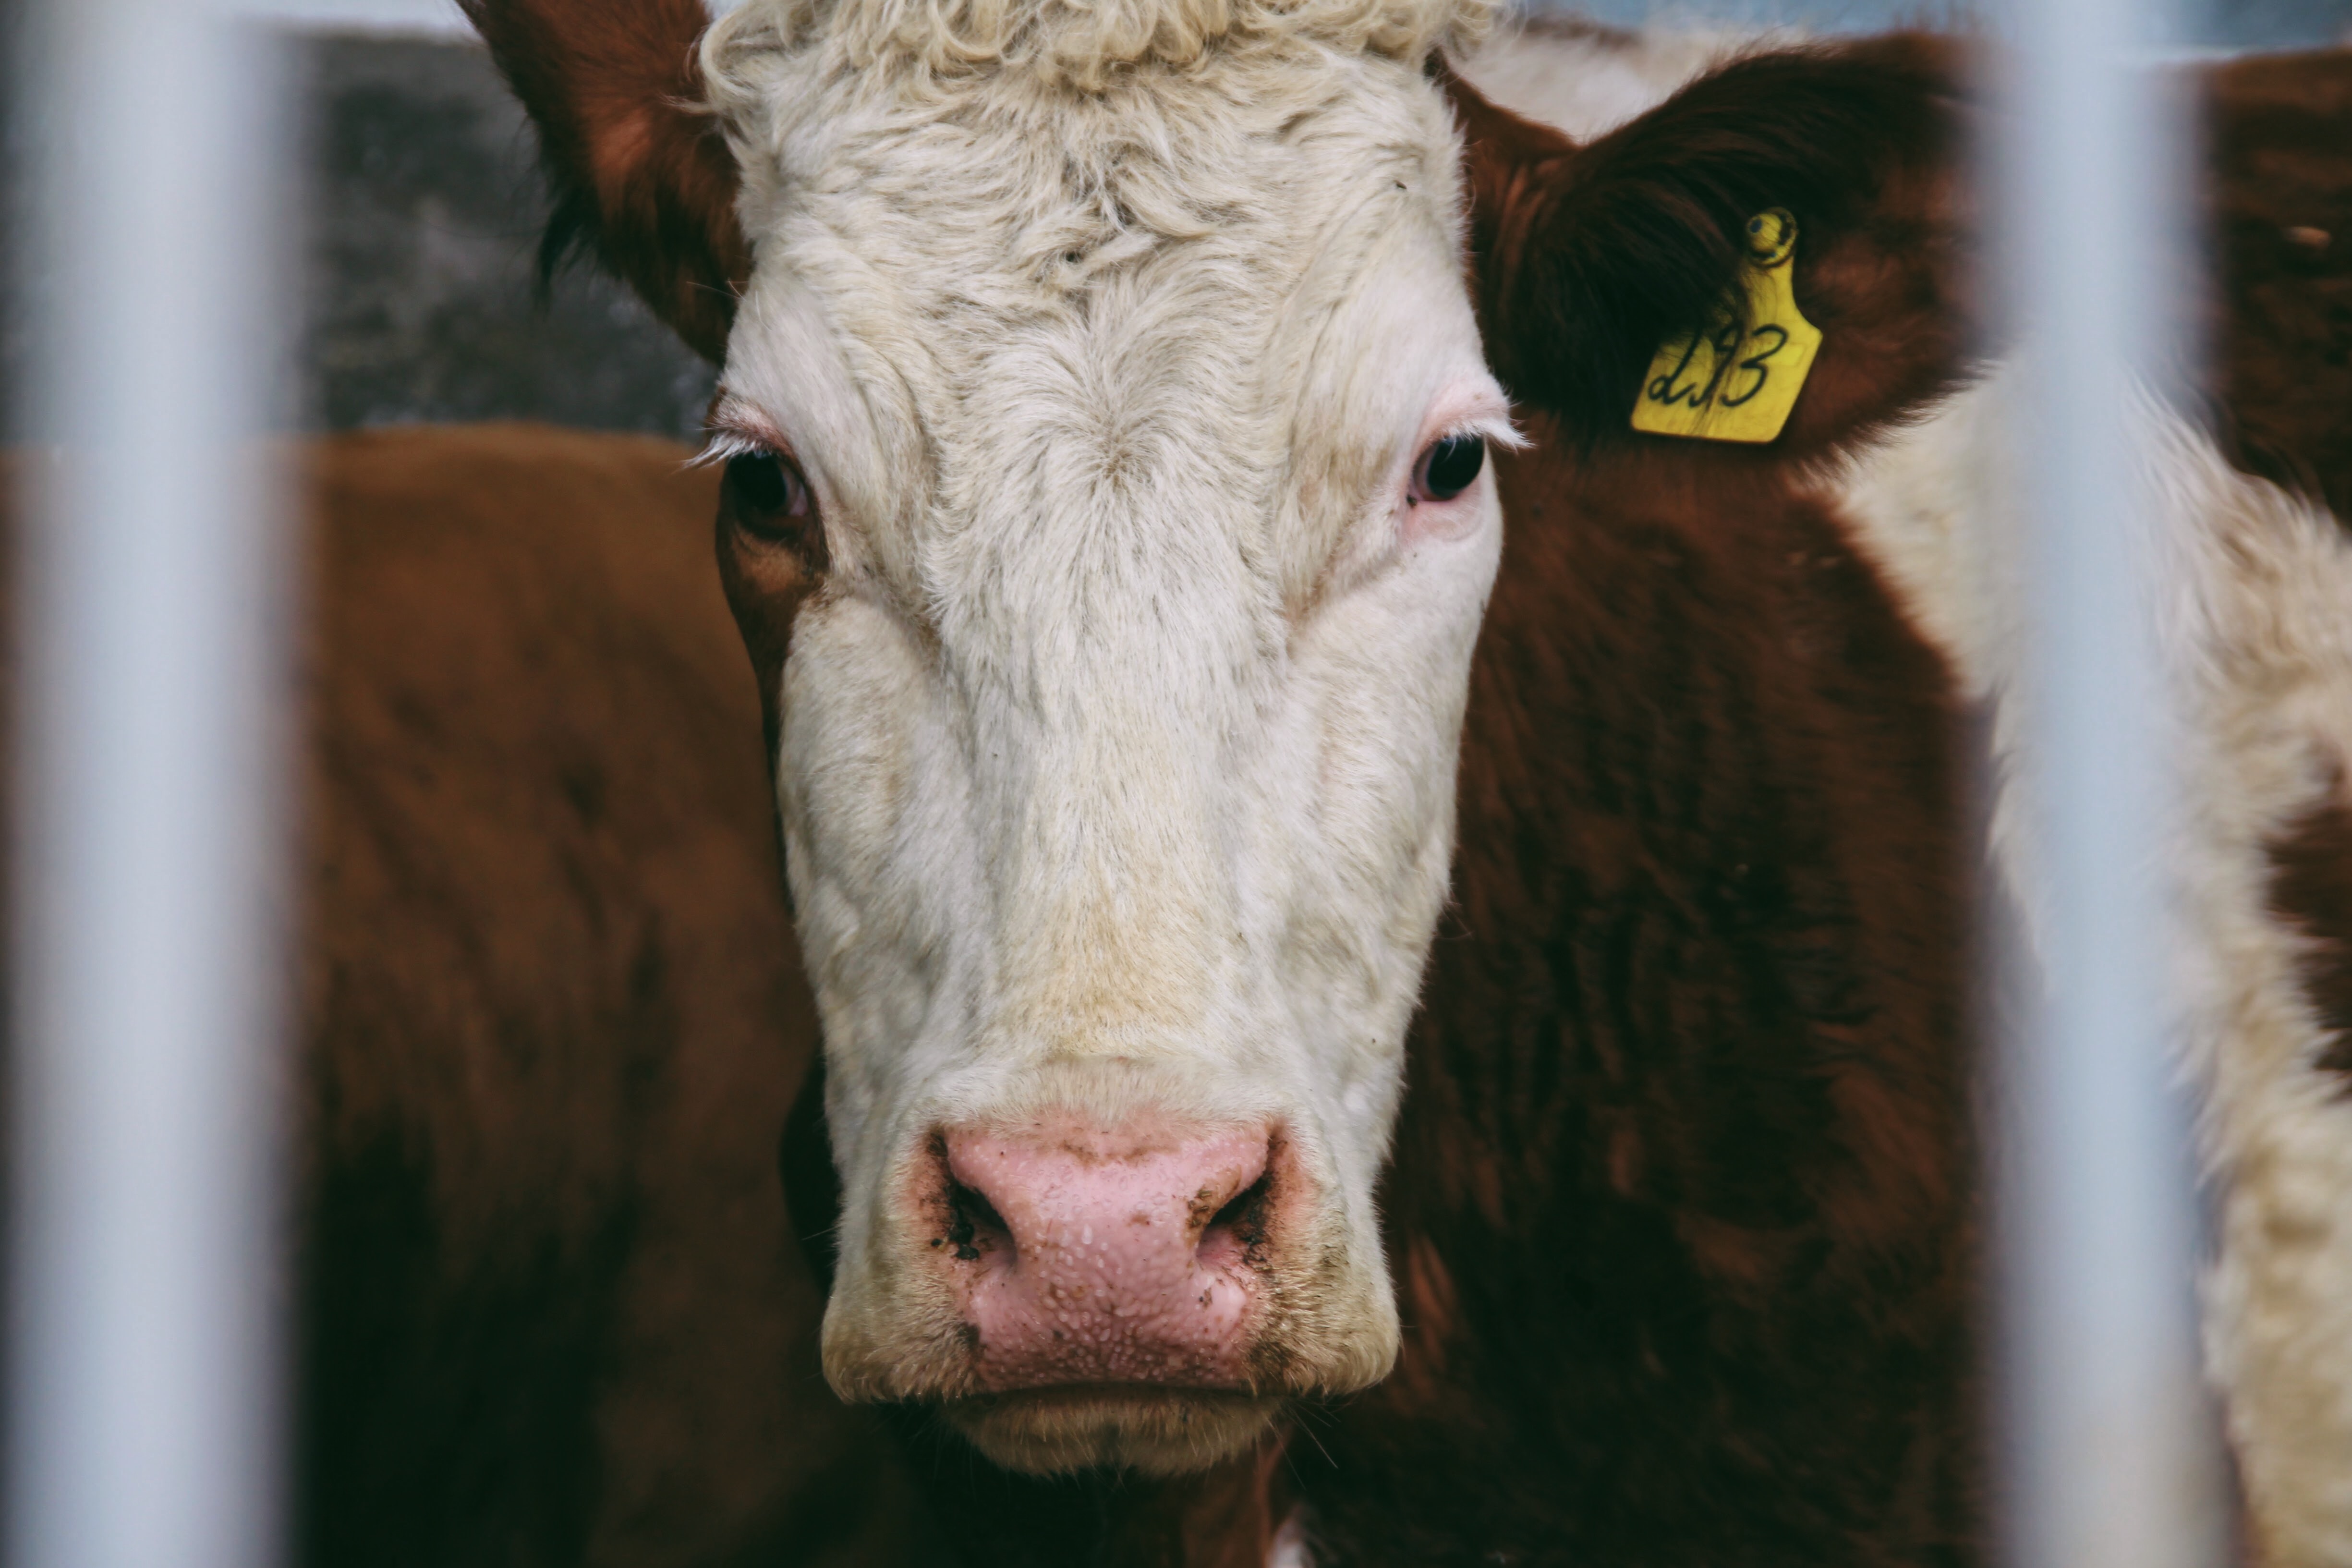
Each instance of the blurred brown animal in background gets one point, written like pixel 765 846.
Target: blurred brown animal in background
pixel 552 1016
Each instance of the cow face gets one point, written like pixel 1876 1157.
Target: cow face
pixel 1106 510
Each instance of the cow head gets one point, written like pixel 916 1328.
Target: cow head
pixel 1107 513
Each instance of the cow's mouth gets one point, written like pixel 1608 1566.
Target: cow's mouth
pixel 1155 1430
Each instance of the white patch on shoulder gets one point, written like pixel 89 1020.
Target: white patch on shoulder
pixel 1585 79
pixel 2255 630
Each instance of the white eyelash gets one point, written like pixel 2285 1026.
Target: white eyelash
pixel 718 446
pixel 1495 430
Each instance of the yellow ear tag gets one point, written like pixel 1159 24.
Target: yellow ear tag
pixel 1729 385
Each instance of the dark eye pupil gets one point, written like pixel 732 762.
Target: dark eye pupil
pixel 1452 466
pixel 764 498
pixel 762 488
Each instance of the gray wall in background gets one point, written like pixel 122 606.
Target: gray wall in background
pixel 425 214
pixel 421 215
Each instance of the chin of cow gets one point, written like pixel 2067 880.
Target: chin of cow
pixel 1150 1430
pixel 1157 1429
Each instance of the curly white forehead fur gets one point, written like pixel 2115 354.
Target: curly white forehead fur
pixel 1078 43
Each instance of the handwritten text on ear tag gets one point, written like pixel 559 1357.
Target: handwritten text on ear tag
pixel 1725 385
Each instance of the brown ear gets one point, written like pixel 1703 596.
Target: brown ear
pixel 641 175
pixel 1587 258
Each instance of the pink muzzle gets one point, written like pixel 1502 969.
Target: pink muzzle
pixel 1084 1255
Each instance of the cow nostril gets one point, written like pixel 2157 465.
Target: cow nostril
pixel 1240 1226
pixel 973 1225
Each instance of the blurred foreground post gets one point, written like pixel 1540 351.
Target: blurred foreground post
pixel 143 1376
pixel 2103 1449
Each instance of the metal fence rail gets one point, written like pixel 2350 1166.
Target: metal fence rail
pixel 2101 1435
pixel 143 1365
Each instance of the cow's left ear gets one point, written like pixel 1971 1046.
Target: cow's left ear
pixel 1587 259
pixel 642 176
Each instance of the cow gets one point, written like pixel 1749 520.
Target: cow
pixel 1354 1035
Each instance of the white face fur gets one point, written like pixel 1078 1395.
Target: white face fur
pixel 1117 750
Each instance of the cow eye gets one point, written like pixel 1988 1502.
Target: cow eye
pixel 765 496
pixel 1448 467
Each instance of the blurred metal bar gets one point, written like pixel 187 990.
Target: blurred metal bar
pixel 2102 1445
pixel 142 1375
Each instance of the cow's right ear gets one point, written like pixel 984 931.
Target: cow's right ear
pixel 1587 258
pixel 642 176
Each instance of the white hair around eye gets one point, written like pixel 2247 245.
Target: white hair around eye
pixel 719 446
pixel 736 429
pixel 1493 427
